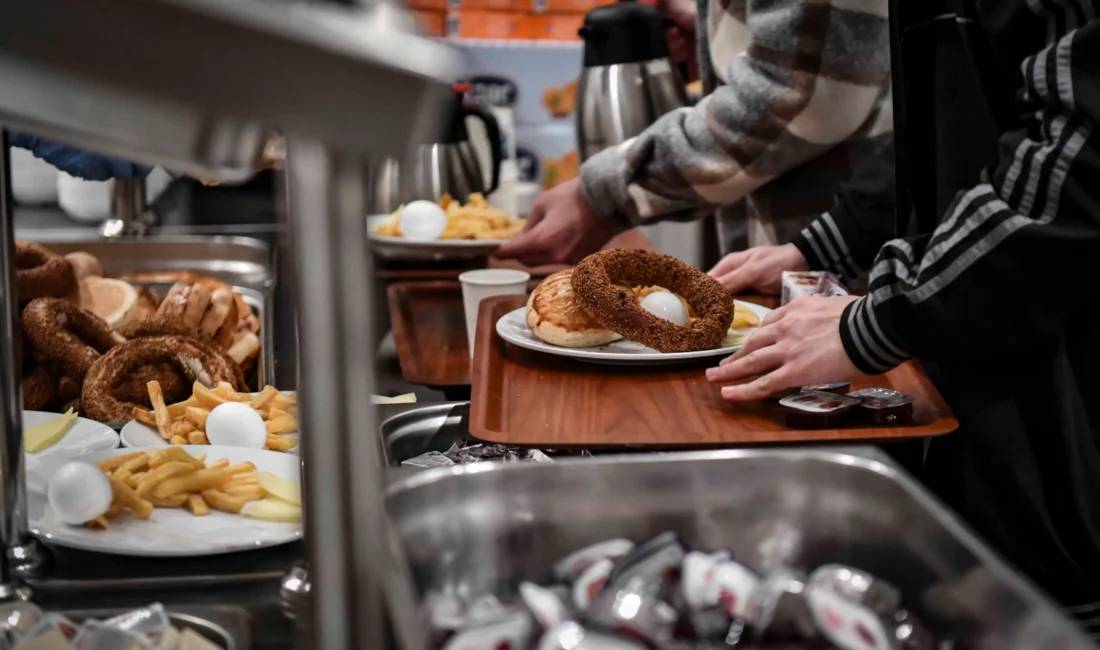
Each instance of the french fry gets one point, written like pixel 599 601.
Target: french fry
pixel 264 413
pixel 204 479
pixel 279 443
pixel 174 501
pixel 197 438
pixel 178 440
pixel 205 397
pixel 221 463
pixel 222 501
pixel 264 398
pixel 111 464
pixel 99 522
pixel 197 416
pixel 243 479
pixel 182 428
pixel 178 409
pixel 246 492
pixel 285 401
pixel 161 474
pixel 241 468
pixel 281 423
pixel 145 416
pixel 126 495
pixel 172 454
pixel 156 398
pixel 126 470
pixel 225 390
pixel 197 505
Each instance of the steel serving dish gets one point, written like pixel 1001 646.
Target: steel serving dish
pixel 242 262
pixel 484 528
pixel 427 428
pixel 238 639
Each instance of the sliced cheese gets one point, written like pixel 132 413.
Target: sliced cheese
pixel 43 435
pixel 286 489
pixel 407 398
pixel 272 509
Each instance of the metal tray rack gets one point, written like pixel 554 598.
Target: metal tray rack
pixel 486 528
pixel 242 262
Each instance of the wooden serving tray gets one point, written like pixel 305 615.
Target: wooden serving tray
pixel 526 398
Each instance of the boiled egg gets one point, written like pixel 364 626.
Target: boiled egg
pixel 664 304
pixel 422 221
pixel 235 424
pixel 79 492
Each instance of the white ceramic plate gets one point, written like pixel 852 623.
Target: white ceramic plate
pixel 512 327
pixel 440 249
pixel 169 532
pixel 135 434
pixel 85 436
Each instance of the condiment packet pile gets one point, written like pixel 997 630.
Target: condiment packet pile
pixel 615 595
pixel 476 453
pixel 26 627
pixel 810 283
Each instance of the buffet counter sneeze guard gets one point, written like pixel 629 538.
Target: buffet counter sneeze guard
pixel 482 529
pixel 312 72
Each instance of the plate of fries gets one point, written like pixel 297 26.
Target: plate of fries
pixel 176 502
pixel 473 229
pixel 184 423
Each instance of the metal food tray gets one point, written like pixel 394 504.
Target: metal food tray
pixel 229 632
pixel 242 262
pixel 485 528
pixel 423 429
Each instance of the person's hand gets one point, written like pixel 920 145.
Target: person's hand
pixel 758 269
pixel 561 229
pixel 796 345
pixel 75 162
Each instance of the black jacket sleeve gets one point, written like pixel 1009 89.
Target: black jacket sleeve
pixel 1014 256
pixel 846 239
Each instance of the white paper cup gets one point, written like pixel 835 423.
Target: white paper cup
pixel 488 283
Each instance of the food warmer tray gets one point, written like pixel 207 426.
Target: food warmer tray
pixel 242 262
pixel 485 528
pixel 226 626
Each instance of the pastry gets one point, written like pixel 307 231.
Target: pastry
pixel 62 332
pixel 114 301
pixel 600 283
pixel 555 316
pixel 195 359
pixel 42 274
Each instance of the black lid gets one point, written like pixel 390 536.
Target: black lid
pixel 627 32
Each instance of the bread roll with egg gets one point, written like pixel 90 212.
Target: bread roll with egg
pixel 555 316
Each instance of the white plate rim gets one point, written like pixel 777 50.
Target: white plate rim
pixel 134 425
pixel 54 450
pixel 375 219
pixel 225 549
pixel 618 358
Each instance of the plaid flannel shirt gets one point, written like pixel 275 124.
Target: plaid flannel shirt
pixel 798 90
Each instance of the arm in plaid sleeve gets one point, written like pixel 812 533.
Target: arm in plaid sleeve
pixel 812 75
pixel 1014 257
pixel 846 239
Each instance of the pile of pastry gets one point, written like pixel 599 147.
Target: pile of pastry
pixel 637 295
pixel 77 323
